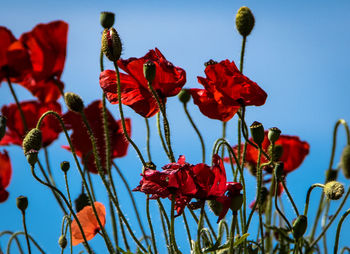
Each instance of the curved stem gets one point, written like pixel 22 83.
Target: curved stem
pixel 26 231
pixel 290 198
pixel 196 130
pixel 338 230
pixel 278 209
pixel 308 196
pixel 14 236
pixel 344 249
pixel 16 239
pixel 334 143
pixel 148 140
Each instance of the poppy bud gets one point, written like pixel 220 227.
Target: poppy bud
pixel 273 134
pixel 244 21
pixel 74 102
pixel 331 175
pixel 32 141
pixel 299 226
pixel 62 241
pixel 65 166
pixel 345 161
pixel 32 157
pixel 333 190
pixel 215 206
pixel 184 96
pixel 279 170
pixel 236 202
pixel 107 19
pixel 149 71
pixel 2 126
pixel 82 201
pixel 257 132
pixel 111 44
pixel 210 62
pixel 22 203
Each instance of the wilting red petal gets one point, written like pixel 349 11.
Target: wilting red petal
pixel 7 39
pixel 80 137
pixel 88 222
pixel 232 190
pixel 32 111
pixel 5 175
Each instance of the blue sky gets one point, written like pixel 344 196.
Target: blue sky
pixel 298 53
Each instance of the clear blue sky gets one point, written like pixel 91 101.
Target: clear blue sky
pixel 298 53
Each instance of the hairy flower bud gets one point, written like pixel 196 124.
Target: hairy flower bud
pixel 32 141
pixel 107 19
pixel 215 206
pixel 2 126
pixel 111 44
pixel 149 71
pixel 65 165
pixel 345 161
pixel 22 203
pixel 273 134
pixel 82 201
pixel 257 132
pixel 333 190
pixel 299 226
pixel 62 241
pixel 184 96
pixel 244 21
pixel 74 102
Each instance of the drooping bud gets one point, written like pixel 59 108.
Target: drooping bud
pixel 257 132
pixel 345 161
pixel 279 170
pixel 149 71
pixel 62 241
pixel 273 134
pixel 32 141
pixel 244 21
pixel 184 96
pixel 107 19
pixel 2 126
pixel 22 203
pixel 65 165
pixel 215 206
pixel 299 226
pixel 236 202
pixel 331 175
pixel 333 190
pixel 82 201
pixel 74 102
pixel 111 44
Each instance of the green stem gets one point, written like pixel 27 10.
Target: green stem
pixel 196 130
pixel 212 231
pixel 308 196
pixel 276 205
pixel 338 230
pixel 114 223
pixel 14 236
pixel 148 140
pixel 232 233
pixel 25 230
pixel 161 136
pixel 163 226
pixel 187 229
pixel 244 40
pixel 224 124
pixel 150 226
pixel 70 203
pixel 259 176
pixel 16 239
pixel 324 220
pixel 345 249
pixel 172 226
pixel 127 247
pixel 290 198
pixel 200 226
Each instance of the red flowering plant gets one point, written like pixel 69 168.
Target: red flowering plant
pixel 36 61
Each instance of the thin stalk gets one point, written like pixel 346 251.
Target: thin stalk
pixel 114 223
pixel 259 176
pixel 161 136
pixel 290 198
pixel 163 226
pixel 200 226
pixel 232 233
pixel 224 124
pixel 172 226
pixel 14 236
pixel 70 203
pixel 212 231
pixel 25 230
pixel 18 104
pixel 244 40
pixel 16 239
pixel 187 229
pixel 308 196
pixel 338 230
pixel 46 153
pixel 281 213
pixel 324 220
pixel 148 134
pixel 150 226
pixel 127 247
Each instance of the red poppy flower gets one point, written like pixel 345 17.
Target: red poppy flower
pixel 14 57
pixel 32 111
pixel 225 90
pixel 168 82
pixel 46 44
pixel 5 175
pixel 80 137
pixel 88 222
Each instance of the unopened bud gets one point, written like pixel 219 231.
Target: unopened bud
pixel 184 96
pixel 2 126
pixel 65 166
pixel 274 134
pixel 333 190
pixel 74 102
pixel 257 132
pixel 82 201
pixel 244 21
pixel 22 203
pixel 345 161
pixel 279 171
pixel 331 175
pixel 215 206
pixel 236 202
pixel 299 226
pixel 111 44
pixel 32 141
pixel 107 19
pixel 62 241
pixel 149 71
pixel 32 157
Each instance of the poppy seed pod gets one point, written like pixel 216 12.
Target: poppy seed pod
pixel 65 166
pixel 184 96
pixel 345 161
pixel 257 132
pixel 2 126
pixel 215 206
pixel 82 201
pixel 62 241
pixel 111 44
pixel 22 203
pixel 149 71
pixel 244 21
pixel 333 190
pixel 107 19
pixel 32 141
pixel 331 175
pixel 74 102
pixel 273 134
pixel 299 226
